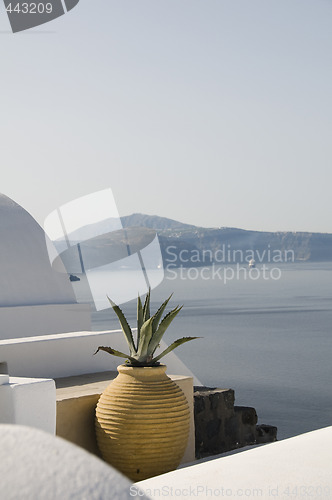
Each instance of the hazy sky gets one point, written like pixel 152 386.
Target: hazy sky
pixel 211 112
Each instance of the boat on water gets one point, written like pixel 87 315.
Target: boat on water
pixel 252 263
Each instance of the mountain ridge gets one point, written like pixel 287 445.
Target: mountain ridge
pixel 139 217
pixel 188 245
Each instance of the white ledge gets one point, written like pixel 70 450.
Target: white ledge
pixel 67 354
pixel 299 467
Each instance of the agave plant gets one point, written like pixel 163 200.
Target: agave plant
pixel 150 330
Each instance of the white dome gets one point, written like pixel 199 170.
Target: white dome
pixel 35 299
pixel 26 275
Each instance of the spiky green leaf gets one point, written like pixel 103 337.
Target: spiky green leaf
pixel 139 319
pixel 146 334
pixel 174 345
pixel 125 327
pixel 146 307
pixel 157 336
pixel 157 316
pixel 114 352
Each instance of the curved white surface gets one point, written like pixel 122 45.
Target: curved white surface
pixel 296 468
pixel 35 465
pixel 27 277
pixel 35 299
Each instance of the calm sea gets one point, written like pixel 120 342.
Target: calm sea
pixel 268 339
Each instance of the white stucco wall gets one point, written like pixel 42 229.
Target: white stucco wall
pixel 67 354
pixel 27 277
pixel 28 401
pixel 28 281
pixel 29 321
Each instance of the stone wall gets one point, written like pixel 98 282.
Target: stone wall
pixel 220 426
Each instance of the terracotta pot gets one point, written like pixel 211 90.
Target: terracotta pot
pixel 142 422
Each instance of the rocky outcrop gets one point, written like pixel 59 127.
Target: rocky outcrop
pixel 220 426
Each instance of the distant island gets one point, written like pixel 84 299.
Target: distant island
pixel 192 246
pixel 230 245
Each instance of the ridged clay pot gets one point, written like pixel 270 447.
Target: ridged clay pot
pixel 142 422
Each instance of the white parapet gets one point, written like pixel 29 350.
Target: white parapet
pixel 295 468
pixel 28 401
pixel 32 320
pixel 68 354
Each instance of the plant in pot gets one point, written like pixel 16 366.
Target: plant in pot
pixel 142 418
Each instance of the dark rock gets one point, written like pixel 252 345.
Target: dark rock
pixel 220 426
pixel 248 414
pixel 266 433
pixel 213 428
